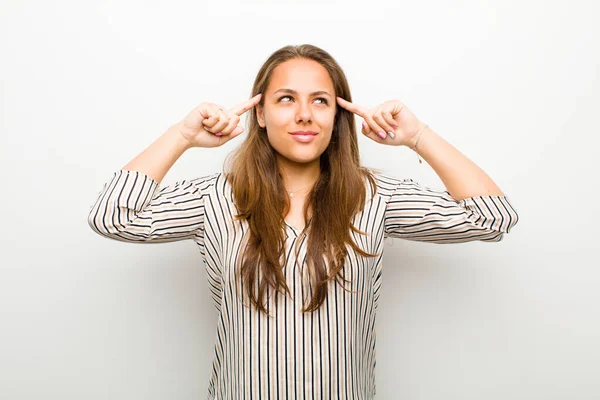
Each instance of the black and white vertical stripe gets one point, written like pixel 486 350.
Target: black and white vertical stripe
pixel 326 354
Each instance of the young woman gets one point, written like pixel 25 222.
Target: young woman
pixel 292 232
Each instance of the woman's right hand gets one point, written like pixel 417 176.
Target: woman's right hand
pixel 209 125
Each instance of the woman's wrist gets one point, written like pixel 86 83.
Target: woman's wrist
pixel 181 142
pixel 415 139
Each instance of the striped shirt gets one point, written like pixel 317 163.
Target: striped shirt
pixel 326 354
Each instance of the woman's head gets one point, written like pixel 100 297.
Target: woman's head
pixel 300 97
pixel 299 85
pixel 256 171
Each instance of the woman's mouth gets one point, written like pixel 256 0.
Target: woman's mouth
pixel 304 136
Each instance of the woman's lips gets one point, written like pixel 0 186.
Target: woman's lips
pixel 304 136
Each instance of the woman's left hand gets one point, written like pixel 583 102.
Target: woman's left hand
pixel 392 116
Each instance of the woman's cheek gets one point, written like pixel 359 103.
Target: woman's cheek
pixel 325 119
pixel 282 116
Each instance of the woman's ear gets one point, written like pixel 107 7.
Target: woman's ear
pixel 260 116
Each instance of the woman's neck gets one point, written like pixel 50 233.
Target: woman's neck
pixel 299 175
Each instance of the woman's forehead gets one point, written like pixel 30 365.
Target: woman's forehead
pixel 302 76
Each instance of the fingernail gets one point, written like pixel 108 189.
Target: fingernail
pixel 391 134
pixel 382 135
pixel 219 134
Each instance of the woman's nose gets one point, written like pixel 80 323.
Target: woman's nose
pixel 304 112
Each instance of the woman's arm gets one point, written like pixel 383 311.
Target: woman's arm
pixel 416 212
pixel 461 176
pixel 132 207
pixel 159 157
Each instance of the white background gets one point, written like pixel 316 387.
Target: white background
pixel 86 86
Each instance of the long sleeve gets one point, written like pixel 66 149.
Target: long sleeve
pixel 415 212
pixel 132 207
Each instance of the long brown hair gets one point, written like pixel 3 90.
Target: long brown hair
pixel 261 199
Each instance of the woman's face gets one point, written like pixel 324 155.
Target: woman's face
pixel 300 97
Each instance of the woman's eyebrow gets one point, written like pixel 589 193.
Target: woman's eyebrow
pixel 292 91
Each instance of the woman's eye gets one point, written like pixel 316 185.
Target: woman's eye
pixel 319 98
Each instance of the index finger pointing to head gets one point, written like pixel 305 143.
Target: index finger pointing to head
pixel 246 105
pixel 355 108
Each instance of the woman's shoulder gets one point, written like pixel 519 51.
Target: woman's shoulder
pixel 385 183
pixel 210 178
pixel 208 184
